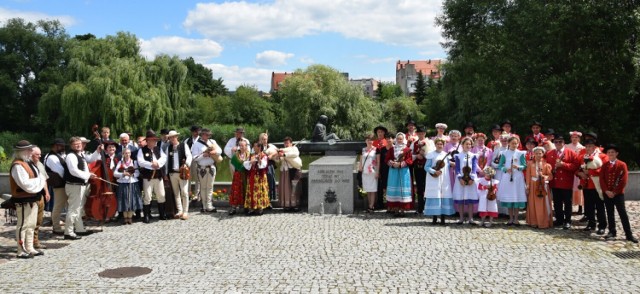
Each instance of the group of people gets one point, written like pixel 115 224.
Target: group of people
pixel 137 172
pixel 470 174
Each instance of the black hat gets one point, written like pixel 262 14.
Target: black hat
pixel 164 132
pixel 59 141
pixel 469 125
pixel 22 145
pixel 109 142
pixel 195 128
pixel 496 128
pixel 591 134
pixel 550 132
pixel 421 129
pixel 410 121
pixel 558 137
pixel 239 130
pixel 589 141
pixel 151 135
pixel 506 121
pixel 611 146
pixel 380 127
pixel 536 123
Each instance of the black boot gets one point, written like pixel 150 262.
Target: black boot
pixel 435 220
pixel 161 211
pixel 147 213
pixel 138 214
pixel 442 220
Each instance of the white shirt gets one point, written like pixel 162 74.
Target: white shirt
pixel 176 157
pixel 126 179
pixel 198 149
pixel 72 165
pixel 27 184
pixel 146 164
pixel 233 142
pixel 262 163
pixel 54 163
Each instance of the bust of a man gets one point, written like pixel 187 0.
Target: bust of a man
pixel 320 131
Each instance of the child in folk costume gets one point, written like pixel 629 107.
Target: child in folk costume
pixel 369 166
pixel 487 189
pixel 399 186
pixel 453 147
pixel 512 192
pixel 257 192
pixel 465 194
pixel 538 175
pixel 239 181
pixel 129 199
pixel 438 198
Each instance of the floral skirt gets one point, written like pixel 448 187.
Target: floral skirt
pixel 257 192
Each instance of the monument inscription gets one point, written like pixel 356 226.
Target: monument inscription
pixel 331 183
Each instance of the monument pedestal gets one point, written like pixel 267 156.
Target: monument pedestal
pixel 331 185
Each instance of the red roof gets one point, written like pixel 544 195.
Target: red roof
pixel 277 78
pixel 427 67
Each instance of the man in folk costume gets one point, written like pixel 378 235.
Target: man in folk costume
pixel 151 160
pixel 234 144
pixel 380 143
pixel 77 175
pixel 111 160
pixel 195 136
pixel 179 159
pixel 507 126
pixel 27 187
pixel 288 191
pixel 496 131
pixel 575 145
pixel 420 149
pixel 565 163
pixel 469 130
pixel 536 134
pixel 589 174
pixel 613 180
pixel 35 160
pixel 411 134
pixel 55 164
pixel 547 142
pixel 204 151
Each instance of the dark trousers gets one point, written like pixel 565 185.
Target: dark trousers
pixel 420 175
pixel 382 185
pixel 617 202
pixel 562 205
pixel 594 207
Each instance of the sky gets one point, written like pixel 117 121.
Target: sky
pixel 243 42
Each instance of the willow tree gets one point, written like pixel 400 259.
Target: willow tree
pixel 109 83
pixel 318 90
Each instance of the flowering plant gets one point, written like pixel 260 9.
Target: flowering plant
pixel 362 193
pixel 220 194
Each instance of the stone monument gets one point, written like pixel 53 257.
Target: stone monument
pixel 331 185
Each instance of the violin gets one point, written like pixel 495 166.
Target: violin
pixel 491 191
pixel 185 172
pixel 466 172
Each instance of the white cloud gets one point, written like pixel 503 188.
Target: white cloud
pixel 404 22
pixel 272 58
pixel 32 16
pixel 234 76
pixel 202 50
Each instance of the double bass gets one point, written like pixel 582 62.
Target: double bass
pixel 101 203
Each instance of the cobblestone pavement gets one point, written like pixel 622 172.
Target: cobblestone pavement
pixel 283 252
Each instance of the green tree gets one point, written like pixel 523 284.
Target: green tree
pixel 200 79
pixel 420 93
pixel 320 89
pixel 389 90
pixel 32 57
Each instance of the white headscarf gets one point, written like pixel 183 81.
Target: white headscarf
pixel 400 145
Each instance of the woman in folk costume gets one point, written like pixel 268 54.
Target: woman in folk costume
pixel 500 147
pixel 465 194
pixel 512 191
pixel 239 181
pixel 290 166
pixel 496 131
pixel 257 193
pixel 369 166
pixel 487 189
pixel 129 197
pixel 538 175
pixel 577 148
pixel 437 194
pixel 399 186
pixel 440 129
pixel 485 154
pixel 453 147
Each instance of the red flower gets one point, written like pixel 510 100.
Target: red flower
pixel 224 190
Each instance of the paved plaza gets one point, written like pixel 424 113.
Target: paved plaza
pixel 302 253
